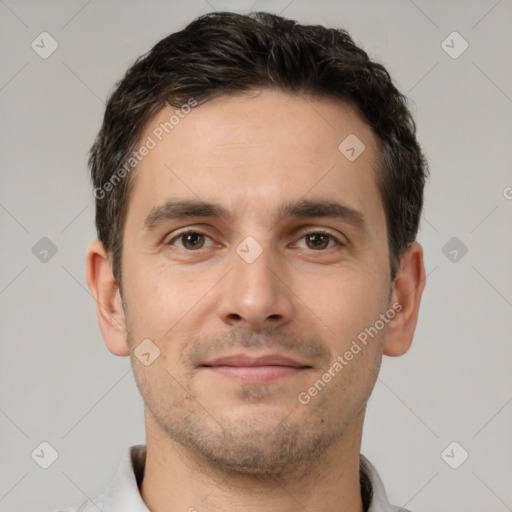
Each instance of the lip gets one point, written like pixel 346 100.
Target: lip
pixel 252 361
pixel 248 369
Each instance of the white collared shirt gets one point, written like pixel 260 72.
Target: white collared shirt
pixel 122 493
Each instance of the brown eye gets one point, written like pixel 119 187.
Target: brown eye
pixel 318 241
pixel 193 240
pixel 190 240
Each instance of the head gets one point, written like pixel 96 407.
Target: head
pixel 258 189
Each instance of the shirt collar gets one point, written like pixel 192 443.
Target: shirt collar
pixel 122 493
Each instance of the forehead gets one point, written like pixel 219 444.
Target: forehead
pixel 254 152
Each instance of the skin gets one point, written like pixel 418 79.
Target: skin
pixel 215 443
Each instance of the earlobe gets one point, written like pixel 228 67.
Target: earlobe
pixel 105 291
pixel 407 290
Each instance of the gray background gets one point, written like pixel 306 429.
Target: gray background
pixel 58 381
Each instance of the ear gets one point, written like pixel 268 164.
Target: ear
pixel 105 291
pixel 407 290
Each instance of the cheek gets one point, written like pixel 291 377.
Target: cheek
pixel 348 302
pixel 157 296
pixel 162 393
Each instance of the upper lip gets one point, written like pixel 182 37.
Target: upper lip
pixel 264 360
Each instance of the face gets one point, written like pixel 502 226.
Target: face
pixel 254 299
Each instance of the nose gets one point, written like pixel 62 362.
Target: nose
pixel 255 293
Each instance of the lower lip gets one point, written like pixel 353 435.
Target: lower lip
pixel 256 374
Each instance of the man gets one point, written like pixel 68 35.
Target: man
pixel 258 192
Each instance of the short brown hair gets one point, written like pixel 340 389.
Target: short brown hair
pixel 225 53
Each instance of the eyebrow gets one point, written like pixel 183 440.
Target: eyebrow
pixel 179 209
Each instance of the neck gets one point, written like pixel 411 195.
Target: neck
pixel 177 478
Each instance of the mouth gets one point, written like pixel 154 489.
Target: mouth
pixel 255 370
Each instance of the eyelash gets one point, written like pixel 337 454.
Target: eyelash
pixel 199 232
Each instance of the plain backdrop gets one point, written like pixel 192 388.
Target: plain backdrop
pixel 58 382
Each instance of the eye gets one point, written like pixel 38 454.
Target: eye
pixel 191 240
pixel 319 240
pixel 194 240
